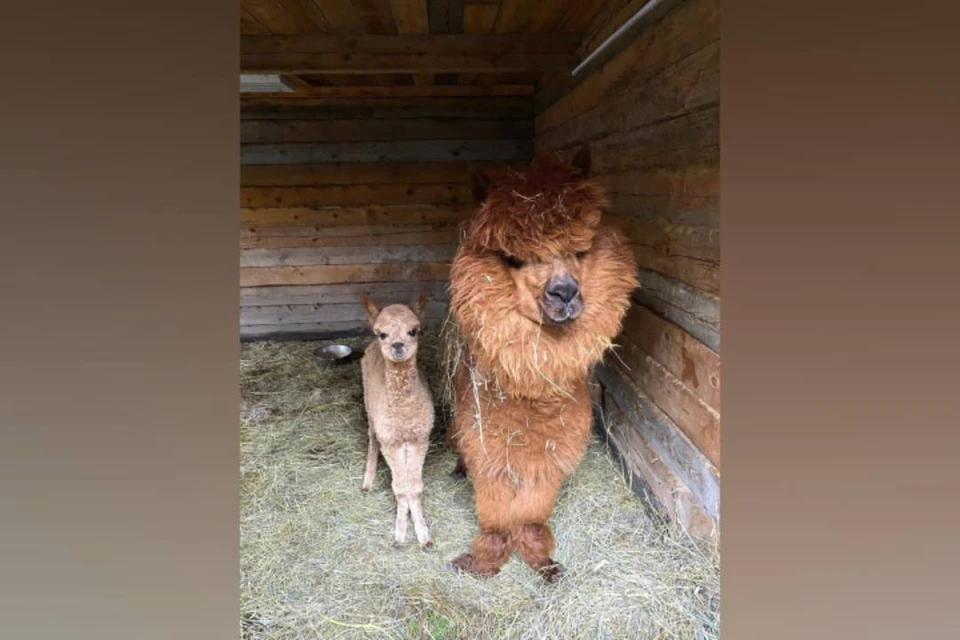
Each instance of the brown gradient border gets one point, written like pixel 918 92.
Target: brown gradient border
pixel 839 200
pixel 118 368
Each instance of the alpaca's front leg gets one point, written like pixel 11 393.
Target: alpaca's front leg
pixel 415 457
pixel 373 452
pixel 492 546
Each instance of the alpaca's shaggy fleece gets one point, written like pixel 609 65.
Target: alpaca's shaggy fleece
pixel 521 402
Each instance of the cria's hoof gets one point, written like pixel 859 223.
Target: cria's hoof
pixel 366 489
pixel 551 572
pixel 468 564
pixel 426 546
pixel 397 544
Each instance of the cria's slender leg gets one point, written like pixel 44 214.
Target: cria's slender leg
pixel 396 458
pixel 373 451
pixel 415 457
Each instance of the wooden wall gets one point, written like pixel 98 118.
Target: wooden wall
pixel 650 116
pixel 340 197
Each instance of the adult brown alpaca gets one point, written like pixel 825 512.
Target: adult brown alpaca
pixel 538 291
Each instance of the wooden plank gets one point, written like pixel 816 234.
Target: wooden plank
pixel 345 63
pixel 354 194
pixel 410 16
pixel 700 274
pixel 341 16
pixel 329 274
pixel 396 237
pixel 698 179
pixel 480 17
pixel 688 359
pixel 311 331
pixel 431 91
pixel 698 211
pixel 699 243
pixel 407 151
pixel 399 214
pixel 687 28
pixel 702 306
pixel 664 437
pixel 383 292
pixel 456 16
pixel 265 131
pixel 249 25
pixel 305 256
pixel 294 175
pixel 384 109
pixel 422 45
pixel 350 233
pixel 696 419
pixel 376 16
pixel 438 12
pixel 688 85
pixel 271 15
pixel 659 485
pixel 319 313
pixel 705 332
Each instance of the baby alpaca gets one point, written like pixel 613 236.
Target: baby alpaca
pixel 399 409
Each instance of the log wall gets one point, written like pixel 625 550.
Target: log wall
pixel 650 117
pixel 340 197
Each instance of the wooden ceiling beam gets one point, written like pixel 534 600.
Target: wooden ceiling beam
pixel 401 91
pixel 413 44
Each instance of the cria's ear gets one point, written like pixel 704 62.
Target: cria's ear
pixel 480 182
pixel 420 305
pixel 370 307
pixel 581 160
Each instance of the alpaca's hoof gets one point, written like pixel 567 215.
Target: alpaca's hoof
pixel 468 564
pixel 426 546
pixel 551 572
pixel 366 488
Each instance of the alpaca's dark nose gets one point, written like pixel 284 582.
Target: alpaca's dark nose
pixel 397 347
pixel 563 289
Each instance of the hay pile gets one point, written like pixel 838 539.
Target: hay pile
pixel 316 553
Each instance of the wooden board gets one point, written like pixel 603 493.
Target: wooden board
pixel 399 237
pixel 697 211
pixel 332 274
pixel 300 256
pixel 387 109
pixel 696 419
pixel 660 486
pixel 699 243
pixel 704 307
pixel 663 436
pixel 690 84
pixel 352 216
pixel 347 63
pixel 706 333
pixel 254 131
pixel 685 357
pixel 358 173
pixel 412 45
pixel 410 16
pixel 687 28
pixel 408 151
pixel 699 274
pixel 383 292
pixel 392 92
pixel 318 313
pixel 355 194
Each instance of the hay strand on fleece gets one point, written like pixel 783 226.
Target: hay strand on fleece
pixel 316 554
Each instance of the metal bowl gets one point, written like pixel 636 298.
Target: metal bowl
pixel 333 354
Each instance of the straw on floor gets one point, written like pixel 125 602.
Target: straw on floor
pixel 316 553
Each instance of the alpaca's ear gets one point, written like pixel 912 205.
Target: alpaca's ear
pixel 581 160
pixel 370 307
pixel 420 305
pixel 480 182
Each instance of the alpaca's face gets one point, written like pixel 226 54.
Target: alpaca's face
pixel 397 328
pixel 548 290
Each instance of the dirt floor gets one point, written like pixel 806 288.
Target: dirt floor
pixel 316 552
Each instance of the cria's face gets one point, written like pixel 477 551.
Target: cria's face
pixel 548 291
pixel 397 328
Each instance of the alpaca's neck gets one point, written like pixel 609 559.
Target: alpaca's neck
pixel 402 377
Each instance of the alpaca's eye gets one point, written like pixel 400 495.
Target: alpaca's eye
pixel 413 332
pixel 511 261
pixel 581 255
pixel 382 335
